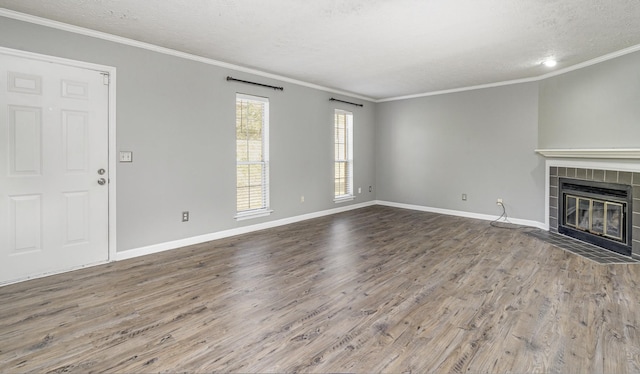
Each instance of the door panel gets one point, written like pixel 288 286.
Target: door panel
pixel 25 217
pixel 53 141
pixel 76 218
pixel 25 146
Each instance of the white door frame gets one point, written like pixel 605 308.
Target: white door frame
pixel 112 127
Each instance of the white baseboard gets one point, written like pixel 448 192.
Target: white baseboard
pixel 459 213
pixel 161 247
pixel 36 276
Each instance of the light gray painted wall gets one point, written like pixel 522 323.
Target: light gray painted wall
pixel 433 149
pixel 178 118
pixel 594 107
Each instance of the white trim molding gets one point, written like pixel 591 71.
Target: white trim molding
pixel 161 247
pixel 538 78
pixel 112 161
pixel 596 153
pixel 253 214
pixel 459 213
pixel 171 52
pixel 344 199
pixel 118 39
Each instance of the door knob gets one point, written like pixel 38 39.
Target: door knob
pixel 101 181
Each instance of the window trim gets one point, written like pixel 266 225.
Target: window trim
pixel 255 213
pixel 266 210
pixel 344 199
pixel 350 195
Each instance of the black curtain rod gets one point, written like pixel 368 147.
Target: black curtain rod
pixel 257 84
pixel 346 102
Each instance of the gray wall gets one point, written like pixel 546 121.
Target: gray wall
pixel 594 107
pixel 433 149
pixel 178 118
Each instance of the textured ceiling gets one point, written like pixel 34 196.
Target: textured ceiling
pixel 375 48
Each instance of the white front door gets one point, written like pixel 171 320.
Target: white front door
pixel 53 167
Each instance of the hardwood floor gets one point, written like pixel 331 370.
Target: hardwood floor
pixel 377 289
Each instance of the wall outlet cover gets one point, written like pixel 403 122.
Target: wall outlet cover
pixel 126 156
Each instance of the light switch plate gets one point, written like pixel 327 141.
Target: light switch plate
pixel 126 156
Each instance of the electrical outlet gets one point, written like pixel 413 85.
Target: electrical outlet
pixel 185 216
pixel 499 201
pixel 302 199
pixel 126 156
pixel 359 189
pixel 464 197
pixel 370 188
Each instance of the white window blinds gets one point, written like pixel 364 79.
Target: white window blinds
pixel 343 155
pixel 252 155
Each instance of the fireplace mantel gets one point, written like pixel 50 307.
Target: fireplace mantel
pixel 609 153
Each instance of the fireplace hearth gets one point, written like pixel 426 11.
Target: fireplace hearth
pixel 597 213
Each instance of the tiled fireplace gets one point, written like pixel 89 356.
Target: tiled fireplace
pixel 595 209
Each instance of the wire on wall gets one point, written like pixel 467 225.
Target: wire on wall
pixel 346 102
pixel 503 222
pixel 229 78
pixel 494 223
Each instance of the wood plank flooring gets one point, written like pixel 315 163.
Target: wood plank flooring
pixel 377 289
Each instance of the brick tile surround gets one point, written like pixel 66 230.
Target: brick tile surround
pixel 600 175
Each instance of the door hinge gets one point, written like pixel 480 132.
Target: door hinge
pixel 105 78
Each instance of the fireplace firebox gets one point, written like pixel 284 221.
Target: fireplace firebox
pixel 596 212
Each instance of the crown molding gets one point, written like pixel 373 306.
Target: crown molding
pixel 152 47
pixel 461 89
pixel 581 65
pixel 597 60
pixel 168 51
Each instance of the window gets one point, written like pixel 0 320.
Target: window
pixel 252 156
pixel 343 155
